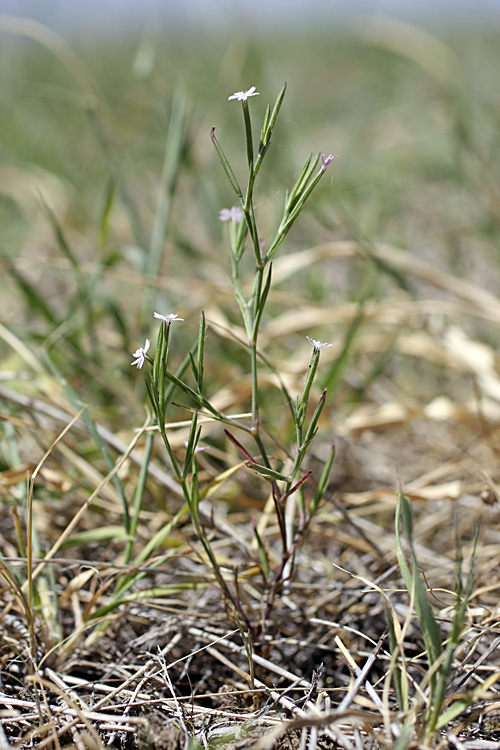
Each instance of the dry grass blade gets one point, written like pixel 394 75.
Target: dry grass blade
pixel 486 303
pixel 184 605
pixel 76 518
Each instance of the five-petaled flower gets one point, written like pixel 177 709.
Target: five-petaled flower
pixel 141 354
pixel 242 96
pixel 327 160
pixel 167 318
pixel 317 344
pixel 231 214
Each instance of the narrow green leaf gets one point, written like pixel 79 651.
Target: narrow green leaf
pixel 399 676
pixel 104 221
pixel 194 366
pixel 312 429
pixel 303 402
pixel 480 693
pixel 159 538
pixel 226 166
pixel 302 179
pixel 63 244
pixel 99 534
pixel 158 356
pixel 262 301
pixel 153 397
pixel 174 144
pixel 183 387
pixel 275 112
pixel 195 495
pixel 192 442
pixel 248 136
pixel 116 313
pixel 263 131
pixel 35 301
pixel 268 128
pixel 158 592
pixel 323 482
pixel 413 581
pixel 201 352
pixel 266 472
pixel 334 375
pixel 139 496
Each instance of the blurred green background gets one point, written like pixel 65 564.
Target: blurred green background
pixel 411 115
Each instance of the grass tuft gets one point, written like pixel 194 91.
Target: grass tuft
pixel 206 542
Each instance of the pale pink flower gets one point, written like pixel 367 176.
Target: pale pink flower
pixel 327 160
pixel 234 213
pixel 317 344
pixel 242 96
pixel 141 354
pixel 167 318
pixel 199 448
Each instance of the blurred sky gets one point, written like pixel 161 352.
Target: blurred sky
pixel 113 15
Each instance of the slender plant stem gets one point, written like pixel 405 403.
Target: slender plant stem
pixel 255 385
pixel 138 497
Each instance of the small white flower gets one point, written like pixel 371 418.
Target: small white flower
pixel 167 318
pixel 242 96
pixel 141 354
pixel 317 344
pixel 231 214
pixel 199 448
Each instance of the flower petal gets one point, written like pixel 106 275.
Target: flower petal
pixel 317 344
pixel 140 354
pixel 231 214
pixel 242 96
pixel 167 318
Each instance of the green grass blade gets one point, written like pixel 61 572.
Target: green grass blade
pixel 334 375
pixel 62 242
pixel 94 433
pixel 267 473
pixel 413 581
pixel 458 623
pixel 201 352
pixel 35 302
pixel 323 483
pixel 171 162
pixel 160 536
pixel 399 676
pixel 104 221
pixel 139 495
